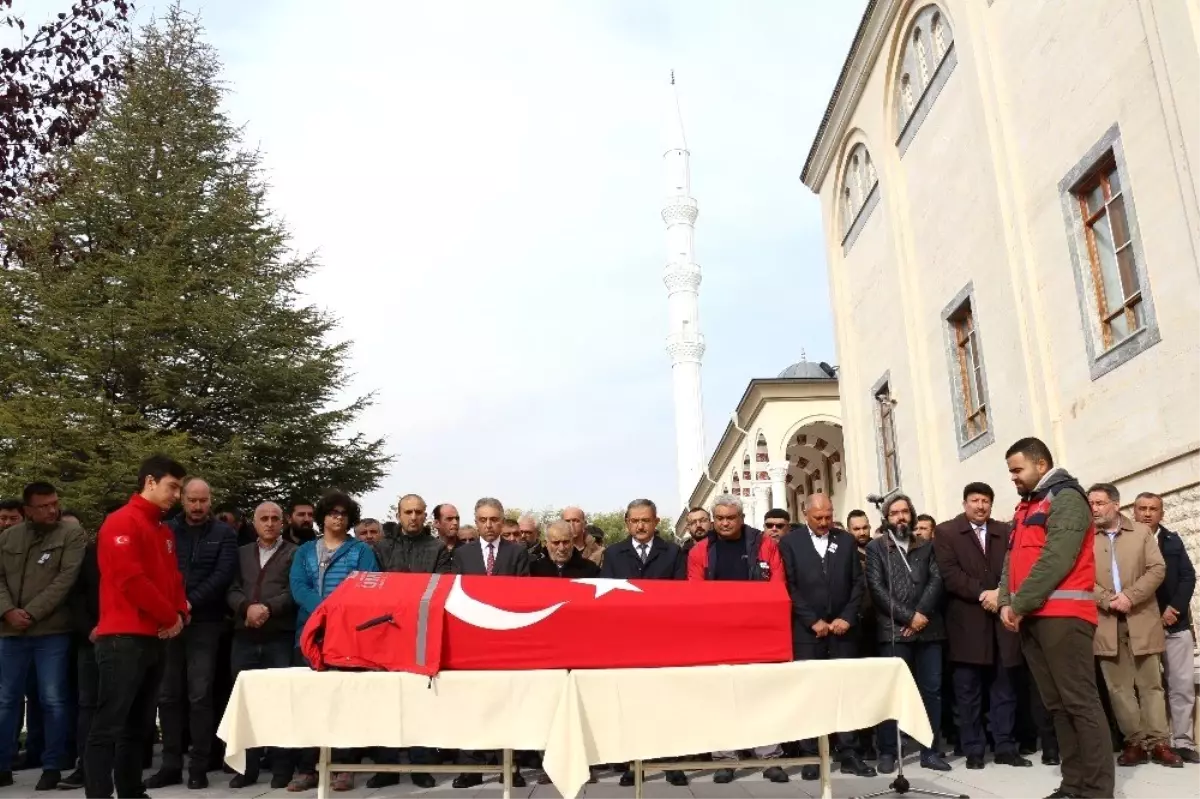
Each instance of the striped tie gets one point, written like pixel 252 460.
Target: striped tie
pixel 491 558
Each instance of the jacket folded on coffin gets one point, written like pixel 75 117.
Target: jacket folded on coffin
pixel 424 623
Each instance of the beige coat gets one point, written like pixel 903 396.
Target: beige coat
pixel 1142 568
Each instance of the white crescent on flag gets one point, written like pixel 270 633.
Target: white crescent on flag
pixel 489 617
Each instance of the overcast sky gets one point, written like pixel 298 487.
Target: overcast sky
pixel 482 183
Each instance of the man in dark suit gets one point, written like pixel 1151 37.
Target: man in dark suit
pixel 645 556
pixel 825 581
pixel 970 550
pixel 1174 597
pixel 563 559
pixel 488 555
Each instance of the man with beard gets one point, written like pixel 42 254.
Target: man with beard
pixel 698 524
pixel 906 590
pixel 300 527
pixel 858 524
pixel 1047 595
pixel 563 559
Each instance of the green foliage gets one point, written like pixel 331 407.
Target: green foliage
pixel 150 303
pixel 611 522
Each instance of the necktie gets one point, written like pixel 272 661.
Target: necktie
pixel 491 558
pixel 981 534
pixel 643 552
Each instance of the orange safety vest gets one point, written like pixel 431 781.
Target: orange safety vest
pixel 1075 595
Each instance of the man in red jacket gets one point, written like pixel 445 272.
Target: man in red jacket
pixel 142 604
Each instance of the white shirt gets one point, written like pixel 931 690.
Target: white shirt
pixel 820 543
pixel 981 534
pixel 643 550
pixel 265 553
pixel 483 546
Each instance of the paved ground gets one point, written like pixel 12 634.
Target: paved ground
pixel 1142 782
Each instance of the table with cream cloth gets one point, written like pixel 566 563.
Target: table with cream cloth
pixel 578 718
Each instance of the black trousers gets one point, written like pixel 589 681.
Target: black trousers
pixel 970 682
pixel 129 672
pixel 831 647
pixel 87 680
pixel 187 696
pixel 303 760
pixel 249 652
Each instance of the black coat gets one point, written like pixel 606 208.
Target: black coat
pixel 918 590
pixel 511 559
pixel 208 563
pixel 666 561
pixel 575 568
pixel 975 636
pixel 84 600
pixel 1177 587
pixel 268 585
pixel 423 553
pixel 822 589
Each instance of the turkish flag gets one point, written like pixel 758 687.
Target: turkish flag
pixel 422 623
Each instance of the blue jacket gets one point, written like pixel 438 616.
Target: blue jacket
pixel 309 590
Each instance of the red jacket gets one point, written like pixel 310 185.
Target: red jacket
pixel 767 565
pixel 141 590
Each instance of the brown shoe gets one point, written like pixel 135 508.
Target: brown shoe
pixel 342 781
pixel 1133 755
pixel 1165 756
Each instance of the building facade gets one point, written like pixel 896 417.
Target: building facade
pixel 783 443
pixel 1012 217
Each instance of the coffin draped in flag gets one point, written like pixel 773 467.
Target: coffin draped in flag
pixel 424 623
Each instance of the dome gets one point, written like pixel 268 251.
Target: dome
pixel 807 370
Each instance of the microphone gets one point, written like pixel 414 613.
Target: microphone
pixel 875 499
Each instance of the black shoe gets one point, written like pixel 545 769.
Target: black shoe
pixel 467 780
pixel 163 778
pixel 518 779
pixel 72 781
pixel 1012 759
pixel 1061 794
pixel 887 764
pixel 385 778
pixel 870 753
pixel 677 778
pixel 775 774
pixel 1188 755
pixel 5 779
pixel 1027 749
pixel 423 780
pixel 934 761
pixel 25 763
pixel 241 781
pixel 722 776
pixel 279 781
pixel 810 773
pixel 197 781
pixel 851 764
pixel 49 780
pixel 974 762
pixel 627 780
pixel 1050 758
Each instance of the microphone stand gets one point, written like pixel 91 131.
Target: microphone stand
pixel 899 786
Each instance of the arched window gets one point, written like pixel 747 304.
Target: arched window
pixel 872 178
pixel 849 203
pixel 922 56
pixel 858 180
pixel 761 453
pixel 906 94
pixel 939 36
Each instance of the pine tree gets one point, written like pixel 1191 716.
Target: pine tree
pixel 150 303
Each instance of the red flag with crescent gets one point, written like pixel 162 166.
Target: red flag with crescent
pixel 423 623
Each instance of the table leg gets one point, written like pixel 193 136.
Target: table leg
pixel 826 783
pixel 323 774
pixel 637 778
pixel 507 760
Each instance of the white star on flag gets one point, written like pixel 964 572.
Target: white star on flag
pixel 603 585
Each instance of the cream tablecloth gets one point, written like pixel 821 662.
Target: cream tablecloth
pixel 579 718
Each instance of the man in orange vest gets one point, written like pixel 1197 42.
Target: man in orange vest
pixel 1046 594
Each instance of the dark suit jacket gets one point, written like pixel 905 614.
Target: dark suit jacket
pixel 511 559
pixel 577 567
pixel 1177 587
pixel 822 589
pixel 666 561
pixel 975 635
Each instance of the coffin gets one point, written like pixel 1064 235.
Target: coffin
pixel 424 623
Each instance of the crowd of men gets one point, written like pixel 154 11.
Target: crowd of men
pixel 1009 629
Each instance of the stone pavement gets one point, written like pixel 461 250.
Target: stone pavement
pixel 1141 782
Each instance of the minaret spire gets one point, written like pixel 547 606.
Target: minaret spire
pixel 685 344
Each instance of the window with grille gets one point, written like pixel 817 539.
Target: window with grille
pixel 1118 291
pixel 887 437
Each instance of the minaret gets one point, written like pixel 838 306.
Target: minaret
pixel 685 344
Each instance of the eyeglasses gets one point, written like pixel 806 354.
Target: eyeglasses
pixel 775 525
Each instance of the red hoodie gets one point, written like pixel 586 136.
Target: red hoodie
pixel 141 590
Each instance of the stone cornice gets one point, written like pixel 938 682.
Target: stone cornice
pixel 869 42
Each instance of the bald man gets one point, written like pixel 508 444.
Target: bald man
pixel 826 584
pixel 207 554
pixel 586 545
pixel 264 619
